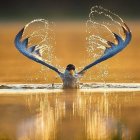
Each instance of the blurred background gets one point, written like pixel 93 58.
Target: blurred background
pixel 64 9
pixel 70 18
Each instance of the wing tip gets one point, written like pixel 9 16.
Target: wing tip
pixel 19 35
pixel 117 38
pixel 126 27
pixel 25 42
pixel 110 43
pixel 127 32
pixel 21 32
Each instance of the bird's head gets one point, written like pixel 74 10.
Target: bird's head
pixel 71 69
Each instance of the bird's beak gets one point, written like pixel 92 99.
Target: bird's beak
pixel 71 72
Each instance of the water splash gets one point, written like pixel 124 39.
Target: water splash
pixel 41 33
pixel 100 27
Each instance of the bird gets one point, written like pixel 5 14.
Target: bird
pixel 71 78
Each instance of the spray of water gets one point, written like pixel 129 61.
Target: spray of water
pixel 100 27
pixel 41 33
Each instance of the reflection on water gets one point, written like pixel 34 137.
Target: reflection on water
pixel 43 124
pixel 72 115
pixel 99 116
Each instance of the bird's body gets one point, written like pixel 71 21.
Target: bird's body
pixel 69 80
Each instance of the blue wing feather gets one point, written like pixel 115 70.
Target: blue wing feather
pixel 28 52
pixel 25 43
pixel 31 49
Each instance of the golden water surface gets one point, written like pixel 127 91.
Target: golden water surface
pixel 71 115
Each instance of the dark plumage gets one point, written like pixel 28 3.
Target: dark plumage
pixel 70 67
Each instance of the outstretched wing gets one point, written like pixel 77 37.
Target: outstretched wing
pixel 31 52
pixel 114 49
